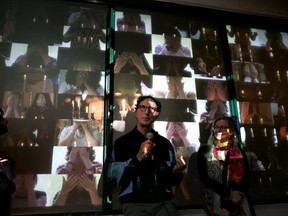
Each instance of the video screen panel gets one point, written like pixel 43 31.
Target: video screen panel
pixel 52 94
pixel 259 65
pixel 179 61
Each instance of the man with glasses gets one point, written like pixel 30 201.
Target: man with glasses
pixel 145 166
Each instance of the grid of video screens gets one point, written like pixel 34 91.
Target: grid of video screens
pixel 52 94
pixel 260 68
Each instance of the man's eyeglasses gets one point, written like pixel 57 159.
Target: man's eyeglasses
pixel 143 108
pixel 221 128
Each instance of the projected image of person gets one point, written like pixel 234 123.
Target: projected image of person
pixel 25 194
pixel 80 185
pixel 13 107
pixel 38 67
pixel 37 131
pixel 252 112
pixel 250 73
pixel 80 134
pixel 132 66
pixel 84 74
pixel 207 51
pixel 131 62
pixel 41 107
pixel 172 46
pixel 216 97
pixel 173 63
pixel 80 160
pixel 8 31
pixel 210 72
pixel 177 88
pixel 214 109
pixel 85 28
pixel 131 22
pixel 224 171
pixel 243 36
pixel 80 82
pixel 5 138
pixel 176 132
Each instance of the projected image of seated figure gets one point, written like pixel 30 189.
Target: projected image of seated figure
pixel 177 88
pixel 35 70
pixel 176 132
pixel 81 133
pixel 171 57
pixel 243 37
pixel 85 29
pixel 130 60
pixel 172 46
pixel 79 187
pixel 39 121
pixel 5 139
pixel 131 22
pixel 25 194
pixel 12 106
pixel 83 75
pixel 214 109
pixel 255 113
pixel 174 68
pixel 250 73
pixel 216 97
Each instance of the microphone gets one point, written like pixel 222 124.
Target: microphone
pixel 149 135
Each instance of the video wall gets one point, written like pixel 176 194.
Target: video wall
pixel 53 61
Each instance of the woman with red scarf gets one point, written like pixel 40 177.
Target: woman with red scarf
pixel 224 171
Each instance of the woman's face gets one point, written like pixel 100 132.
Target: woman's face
pixel 80 78
pixel 41 101
pixel 222 131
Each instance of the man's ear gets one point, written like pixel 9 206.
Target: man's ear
pixel 156 114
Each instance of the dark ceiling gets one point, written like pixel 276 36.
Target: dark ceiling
pixel 267 8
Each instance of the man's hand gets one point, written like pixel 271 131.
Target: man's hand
pixel 145 148
pixel 180 165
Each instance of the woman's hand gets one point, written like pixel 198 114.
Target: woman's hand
pixel 67 185
pixel 84 155
pixel 224 212
pixel 121 62
pixel 138 62
pixel 73 154
pixel 236 196
pixel 90 186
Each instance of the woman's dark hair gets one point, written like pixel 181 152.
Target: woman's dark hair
pixel 131 16
pixel 142 98
pixel 38 41
pixel 172 31
pixel 47 98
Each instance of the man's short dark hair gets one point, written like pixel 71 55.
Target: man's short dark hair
pixel 142 98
